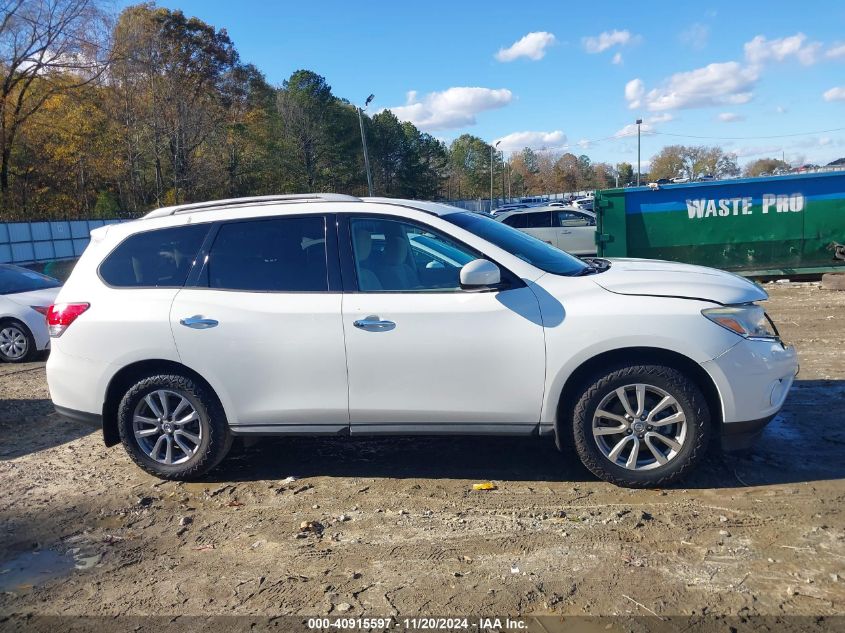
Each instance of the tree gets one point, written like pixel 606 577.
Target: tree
pixel 626 173
pixel 765 166
pixel 469 165
pixel 46 47
pixel 682 160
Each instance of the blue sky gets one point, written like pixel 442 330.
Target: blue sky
pixel 582 74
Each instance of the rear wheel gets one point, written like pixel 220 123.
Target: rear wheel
pixel 16 342
pixel 173 427
pixel 641 425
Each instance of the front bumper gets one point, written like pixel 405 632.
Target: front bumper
pixel 739 436
pixel 753 379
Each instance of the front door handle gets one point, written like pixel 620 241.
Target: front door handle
pixel 198 322
pixel 374 324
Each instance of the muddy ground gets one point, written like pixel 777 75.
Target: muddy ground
pixel 403 532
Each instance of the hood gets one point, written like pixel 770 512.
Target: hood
pixel 44 297
pixel 654 278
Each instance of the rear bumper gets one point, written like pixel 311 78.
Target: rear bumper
pixel 89 419
pixel 738 436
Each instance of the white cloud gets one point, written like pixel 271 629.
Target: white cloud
pixel 663 117
pixel 634 92
pixel 727 83
pixel 695 36
pixel 452 108
pixel 617 58
pixel 835 94
pixel 533 46
pixel 631 130
pixel 836 51
pixel 516 141
pixel 760 50
pixel 730 117
pixel 608 39
pixel 756 150
pixel 585 143
pixel 781 109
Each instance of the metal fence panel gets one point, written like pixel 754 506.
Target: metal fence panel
pixel 31 242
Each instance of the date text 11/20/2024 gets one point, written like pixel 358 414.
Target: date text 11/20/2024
pixel 418 623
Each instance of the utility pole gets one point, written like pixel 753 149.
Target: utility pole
pixel 492 149
pixel 639 122
pixel 364 144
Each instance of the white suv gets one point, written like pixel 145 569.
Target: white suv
pixel 328 314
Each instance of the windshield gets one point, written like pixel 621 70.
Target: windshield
pixel 529 249
pixel 16 279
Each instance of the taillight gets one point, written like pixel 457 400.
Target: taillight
pixel 41 309
pixel 61 315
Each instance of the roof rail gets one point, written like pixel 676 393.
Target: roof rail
pixel 253 200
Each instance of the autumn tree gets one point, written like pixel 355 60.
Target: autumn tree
pixel 765 166
pixel 692 161
pixel 46 47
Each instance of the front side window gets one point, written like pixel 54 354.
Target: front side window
pixel 394 256
pixel 275 255
pixel 154 259
pixel 571 218
pixel 519 244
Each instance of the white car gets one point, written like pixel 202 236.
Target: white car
pixel 25 296
pixel 322 314
pixel 570 229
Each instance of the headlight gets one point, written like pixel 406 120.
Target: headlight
pixel 749 321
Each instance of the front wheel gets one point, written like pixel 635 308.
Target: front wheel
pixel 173 427
pixel 641 425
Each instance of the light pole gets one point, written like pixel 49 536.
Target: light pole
pixel 639 123
pixel 364 143
pixel 492 148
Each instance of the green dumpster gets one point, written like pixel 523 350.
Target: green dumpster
pixel 755 226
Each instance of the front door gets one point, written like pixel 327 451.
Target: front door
pixel 263 326
pixel 425 356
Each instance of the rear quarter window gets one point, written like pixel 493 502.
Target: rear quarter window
pixel 154 259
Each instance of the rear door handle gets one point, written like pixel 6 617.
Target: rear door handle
pixel 374 324
pixel 198 322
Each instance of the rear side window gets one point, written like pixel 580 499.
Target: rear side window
pixel 277 255
pixel 517 221
pixel 154 259
pixel 541 220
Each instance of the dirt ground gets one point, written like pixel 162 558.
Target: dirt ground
pixel 83 531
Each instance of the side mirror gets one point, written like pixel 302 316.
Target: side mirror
pixel 480 274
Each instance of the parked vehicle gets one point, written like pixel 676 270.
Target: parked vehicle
pixel 705 178
pixel 570 229
pixel 327 314
pixel 584 203
pixel 679 180
pixel 25 296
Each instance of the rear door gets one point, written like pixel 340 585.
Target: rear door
pixel 262 323
pixel 576 232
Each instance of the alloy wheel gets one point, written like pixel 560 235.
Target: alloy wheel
pixel 167 427
pixel 639 427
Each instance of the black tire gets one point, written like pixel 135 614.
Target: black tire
pixel 688 397
pixel 30 351
pixel 215 437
